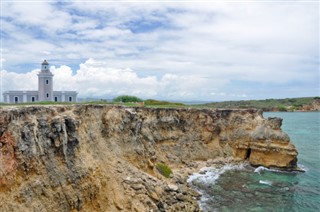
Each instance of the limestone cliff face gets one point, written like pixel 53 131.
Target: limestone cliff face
pixel 102 158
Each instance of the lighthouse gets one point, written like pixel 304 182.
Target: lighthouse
pixel 45 83
pixel 45 90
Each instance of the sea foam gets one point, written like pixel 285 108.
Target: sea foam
pixel 265 182
pixel 260 168
pixel 211 174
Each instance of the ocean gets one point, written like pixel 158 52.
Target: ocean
pixel 245 188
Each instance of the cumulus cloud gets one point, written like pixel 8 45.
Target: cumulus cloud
pixel 95 79
pixel 168 49
pixel 18 81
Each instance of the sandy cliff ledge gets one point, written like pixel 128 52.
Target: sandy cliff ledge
pixel 102 158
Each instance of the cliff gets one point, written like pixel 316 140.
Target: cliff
pixel 103 158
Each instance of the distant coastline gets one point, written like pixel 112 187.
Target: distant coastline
pixel 272 105
pixel 302 104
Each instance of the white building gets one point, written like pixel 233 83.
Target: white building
pixel 45 90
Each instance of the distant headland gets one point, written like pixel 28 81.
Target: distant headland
pixel 283 105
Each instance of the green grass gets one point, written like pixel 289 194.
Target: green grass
pixel 164 169
pixel 162 104
pixel 54 103
pixel 268 104
pixel 288 104
pixel 150 102
pixel 37 103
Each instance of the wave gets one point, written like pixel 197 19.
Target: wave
pixel 266 182
pixel 302 167
pixel 262 168
pixel 211 174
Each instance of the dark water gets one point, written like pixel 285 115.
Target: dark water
pixel 244 188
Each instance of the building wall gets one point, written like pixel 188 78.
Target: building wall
pixel 58 96
pixel 20 96
pixel 32 98
pixel 64 96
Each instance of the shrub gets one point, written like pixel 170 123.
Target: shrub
pixel 126 98
pixel 282 108
pixel 157 102
pixel 297 105
pixel 164 169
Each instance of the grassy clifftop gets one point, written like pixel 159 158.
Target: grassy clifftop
pixel 288 104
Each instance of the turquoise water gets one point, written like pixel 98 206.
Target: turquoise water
pixel 244 188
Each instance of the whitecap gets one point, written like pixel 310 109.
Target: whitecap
pixel 302 167
pixel 261 168
pixel 265 182
pixel 200 175
pixel 211 174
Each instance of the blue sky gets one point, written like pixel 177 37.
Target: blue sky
pixel 182 50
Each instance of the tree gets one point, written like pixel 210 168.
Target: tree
pixel 126 98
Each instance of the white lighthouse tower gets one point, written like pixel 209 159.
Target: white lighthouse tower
pixel 45 83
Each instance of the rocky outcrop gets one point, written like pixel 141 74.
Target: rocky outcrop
pixel 103 158
pixel 314 106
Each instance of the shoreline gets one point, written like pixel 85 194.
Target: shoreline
pixel 182 174
pixel 294 111
pixel 200 168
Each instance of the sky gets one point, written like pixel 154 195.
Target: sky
pixel 167 50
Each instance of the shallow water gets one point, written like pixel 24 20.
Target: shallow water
pixel 244 188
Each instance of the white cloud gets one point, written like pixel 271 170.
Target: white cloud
pixel 16 81
pixel 95 79
pixel 41 15
pixel 184 50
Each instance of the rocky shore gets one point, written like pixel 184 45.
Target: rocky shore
pixel 104 158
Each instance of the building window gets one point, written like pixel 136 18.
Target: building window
pixel 33 99
pixel 16 99
pixel 47 95
pixel 55 98
pixel 47 82
pixel 70 98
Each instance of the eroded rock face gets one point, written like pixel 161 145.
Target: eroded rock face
pixel 102 158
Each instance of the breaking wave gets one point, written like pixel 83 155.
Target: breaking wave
pixel 265 182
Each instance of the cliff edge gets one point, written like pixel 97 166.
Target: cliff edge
pixel 103 158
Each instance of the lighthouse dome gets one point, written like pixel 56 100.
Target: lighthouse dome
pixel 45 62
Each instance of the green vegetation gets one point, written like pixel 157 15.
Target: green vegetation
pixel 282 108
pixel 153 102
pixel 164 169
pixel 266 105
pixel 39 103
pixel 288 104
pixel 126 98
pixel 53 103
